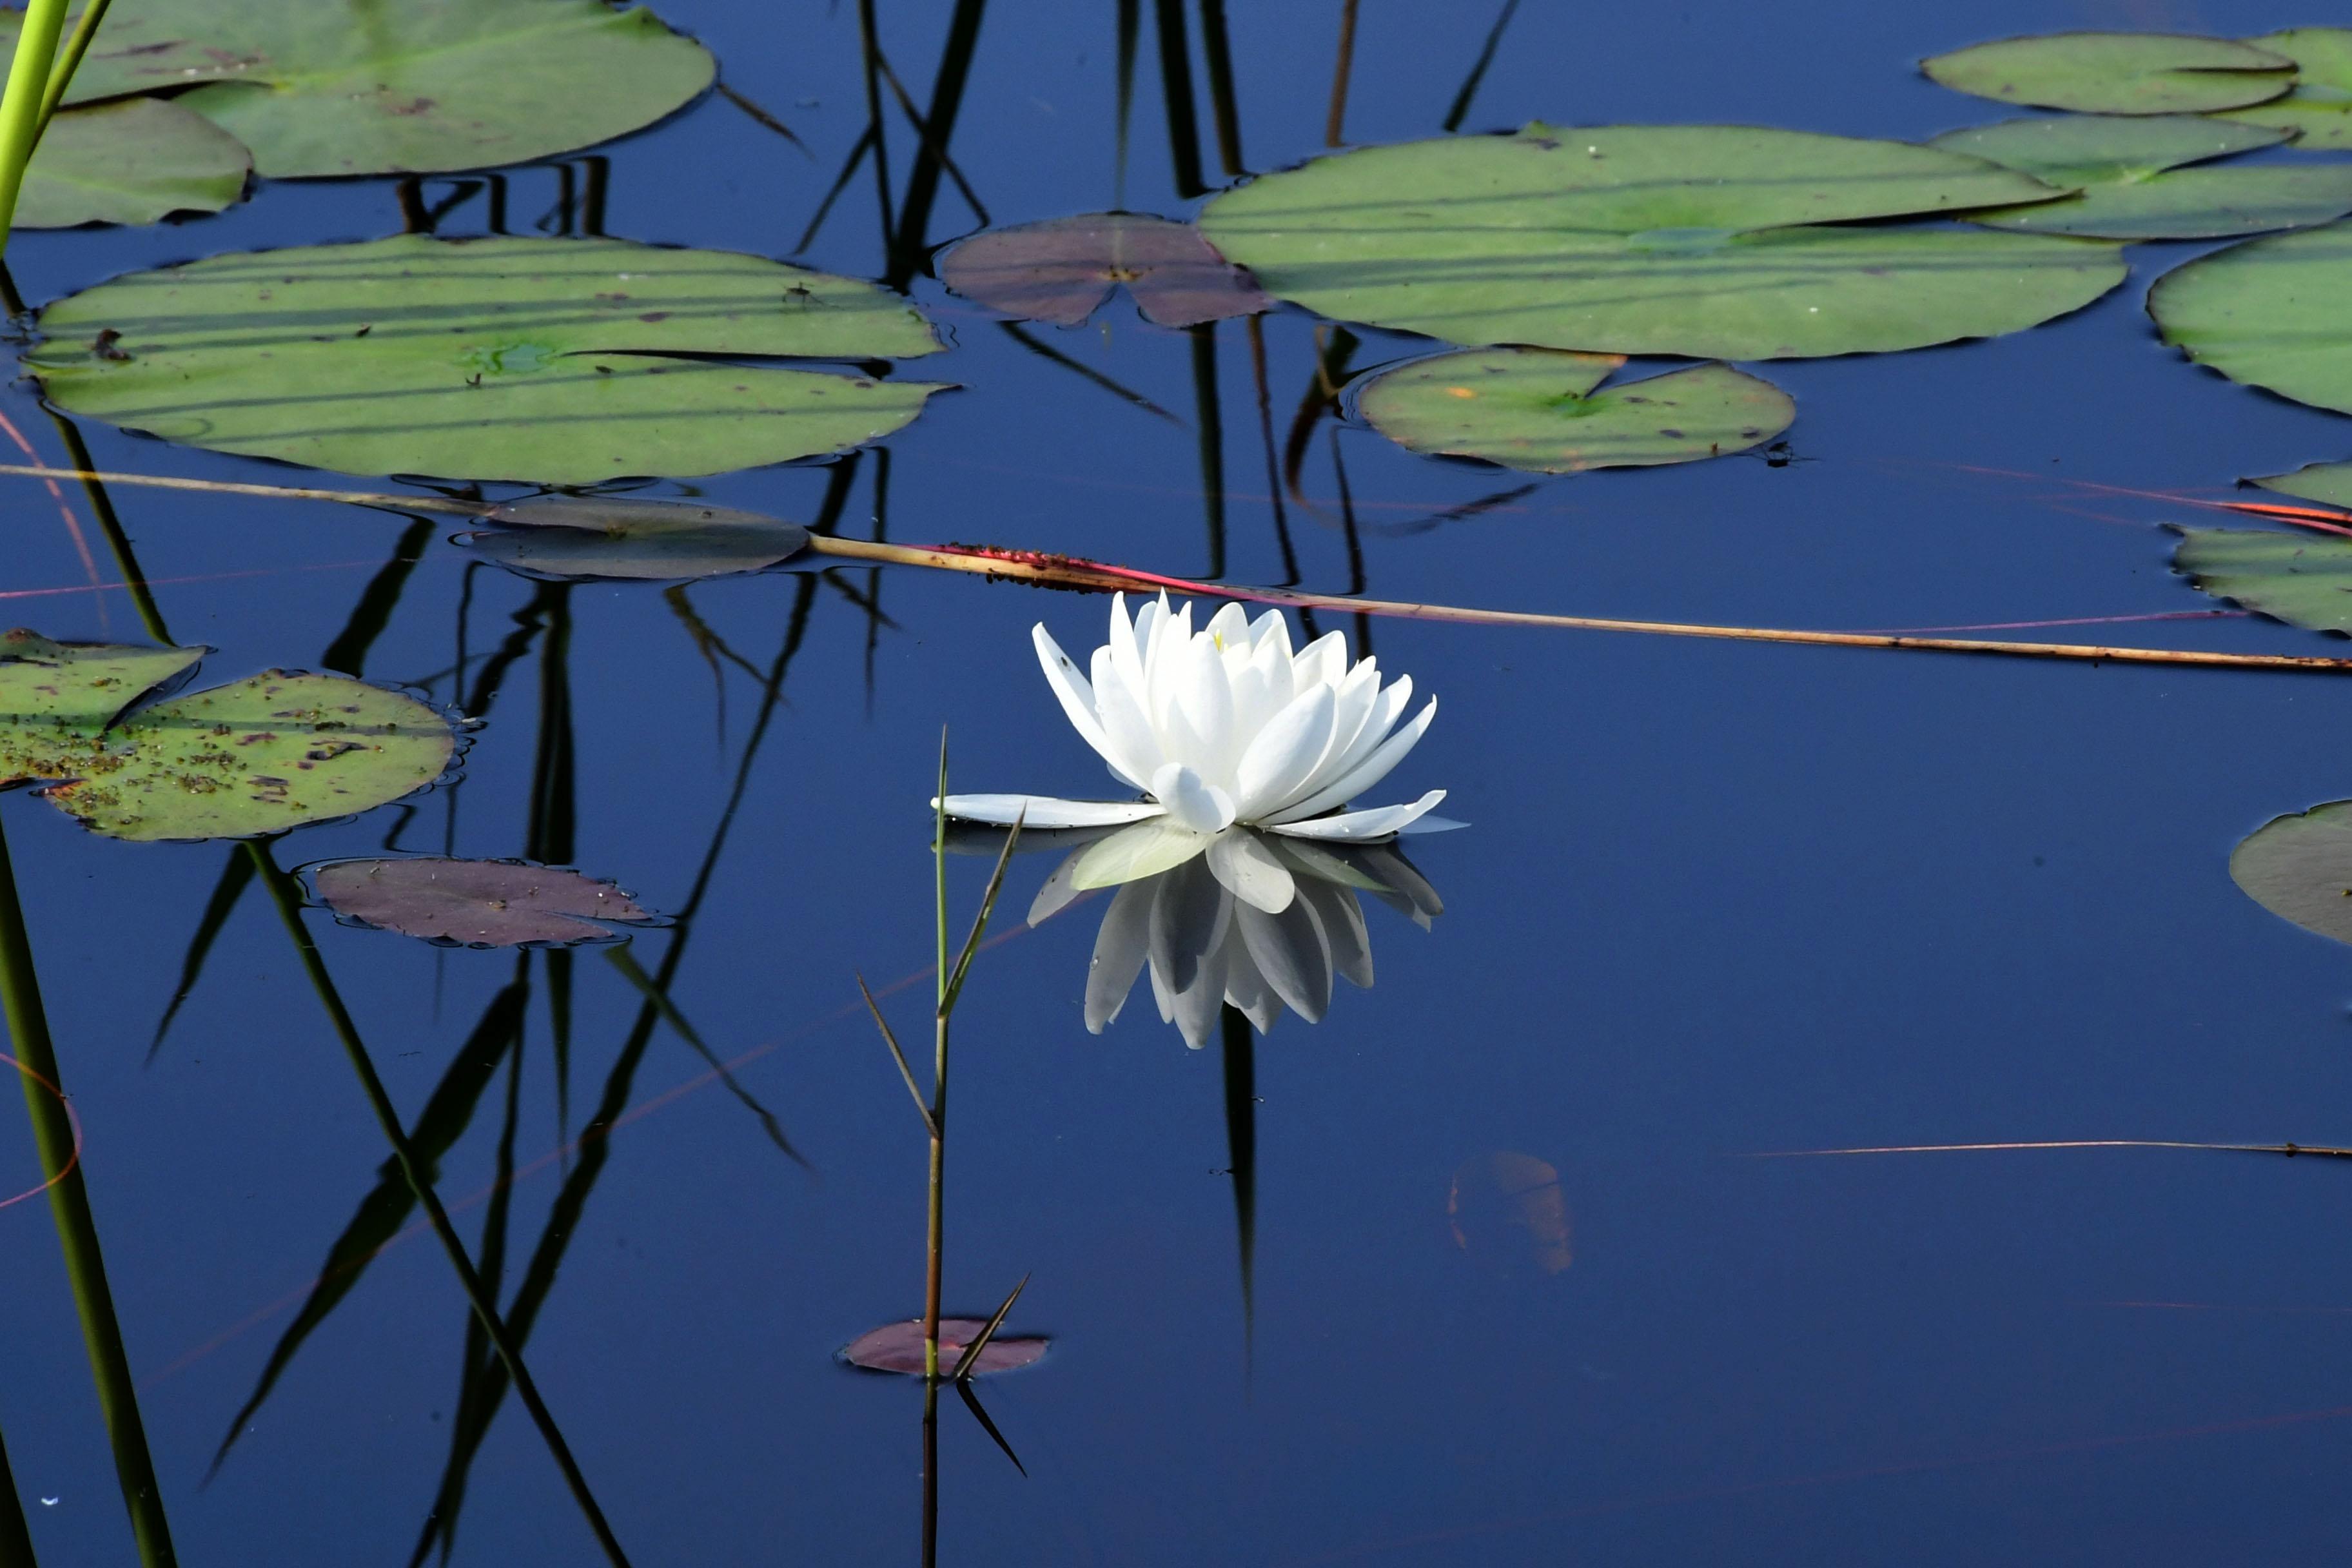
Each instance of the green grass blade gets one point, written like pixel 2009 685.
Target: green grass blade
pixel 971 1357
pixel 905 1071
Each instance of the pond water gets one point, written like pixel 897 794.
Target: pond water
pixel 1482 1268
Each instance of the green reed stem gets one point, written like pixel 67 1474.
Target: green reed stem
pixel 20 103
pixel 110 1364
pixel 70 60
pixel 288 895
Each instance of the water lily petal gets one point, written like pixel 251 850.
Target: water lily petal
pixel 1047 811
pixel 1205 697
pixel 1283 757
pixel 1364 774
pixel 1342 919
pixel 1349 755
pixel 1119 948
pixel 1405 889
pixel 1293 954
pixel 1249 871
pixel 1077 697
pixel 1324 659
pixel 1246 989
pixel 1059 892
pixel 1272 628
pixel 1192 800
pixel 1356 702
pixel 1379 822
pixel 1126 645
pixel 1135 744
pixel 1229 627
pixel 1143 851
pixel 1198 1008
pixel 1190 915
pixel 1421 825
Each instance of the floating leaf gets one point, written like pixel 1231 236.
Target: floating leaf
pixel 2117 73
pixel 2327 483
pixel 572 537
pixel 1702 240
pixel 898 1347
pixel 476 903
pixel 2274 313
pixel 2300 868
pixel 356 87
pixel 2120 166
pixel 1061 270
pixel 258 756
pixel 2319 107
pixel 138 161
pixel 1507 1200
pixel 549 360
pixel 2303 579
pixel 1536 409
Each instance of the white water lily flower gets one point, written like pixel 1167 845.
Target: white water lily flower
pixel 1222 727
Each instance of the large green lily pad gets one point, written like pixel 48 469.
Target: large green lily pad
pixel 2320 105
pixel 257 756
pixel 1536 409
pixel 2330 484
pixel 629 539
pixel 549 360
pixel 2300 868
pixel 1702 240
pixel 369 87
pixel 2130 184
pixel 2117 73
pixel 2303 579
pixel 138 160
pixel 2273 314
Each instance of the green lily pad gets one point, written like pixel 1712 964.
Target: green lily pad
pixel 257 756
pixel 2273 314
pixel 2330 484
pixel 1536 409
pixel 572 538
pixel 2129 183
pixel 2300 868
pixel 2319 107
pixel 546 361
pixel 1699 240
pixel 2117 73
pixel 2303 579
pixel 361 87
pixel 138 160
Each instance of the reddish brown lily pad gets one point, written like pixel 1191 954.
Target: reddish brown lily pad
pixel 1060 269
pixel 476 903
pixel 898 1347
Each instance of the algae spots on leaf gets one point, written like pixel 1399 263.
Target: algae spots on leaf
pixel 1538 409
pixel 258 756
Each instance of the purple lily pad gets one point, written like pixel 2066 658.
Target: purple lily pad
pixel 898 1347
pixel 1060 269
pixel 476 903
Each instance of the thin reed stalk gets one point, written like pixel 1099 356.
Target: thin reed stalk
pixel 53 1136
pixel 288 895
pixel 16 1538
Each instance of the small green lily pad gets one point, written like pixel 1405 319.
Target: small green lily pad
pixel 359 87
pixel 1711 241
pixel 138 161
pixel 543 361
pixel 2319 107
pixel 258 756
pixel 2129 183
pixel 572 538
pixel 476 903
pixel 2330 484
pixel 2117 73
pixel 2273 314
pixel 2300 868
pixel 1536 409
pixel 1062 268
pixel 2303 579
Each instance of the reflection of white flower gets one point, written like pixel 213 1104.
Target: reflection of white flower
pixel 1222 726
pixel 1209 943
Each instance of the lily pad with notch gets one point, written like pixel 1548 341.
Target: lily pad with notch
pixel 572 538
pixel 2300 868
pixel 898 1348
pixel 2318 108
pixel 2274 313
pixel 2130 182
pixel 274 752
pixel 2117 73
pixel 476 903
pixel 135 162
pixel 342 88
pixel 2330 484
pixel 545 361
pixel 1061 270
pixel 1710 241
pixel 2304 579
pixel 1538 409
